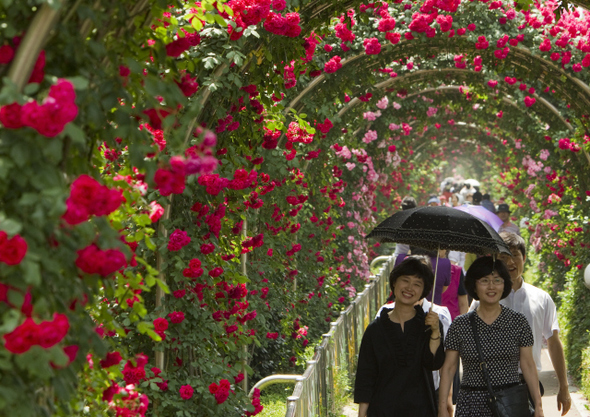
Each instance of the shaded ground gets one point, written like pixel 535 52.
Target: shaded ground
pixel 580 406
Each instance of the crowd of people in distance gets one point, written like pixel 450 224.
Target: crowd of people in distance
pixel 456 193
pixel 481 312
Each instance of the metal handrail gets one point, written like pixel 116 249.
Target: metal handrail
pixel 274 379
pixel 378 259
pixel 312 395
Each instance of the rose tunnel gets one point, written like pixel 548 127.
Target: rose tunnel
pixel 195 180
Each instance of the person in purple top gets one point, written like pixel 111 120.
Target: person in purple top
pixel 443 273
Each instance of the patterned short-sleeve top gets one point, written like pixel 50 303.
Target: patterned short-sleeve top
pixel 500 342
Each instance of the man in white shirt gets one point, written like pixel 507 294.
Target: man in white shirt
pixel 539 310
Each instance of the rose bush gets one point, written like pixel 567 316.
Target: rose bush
pixel 160 253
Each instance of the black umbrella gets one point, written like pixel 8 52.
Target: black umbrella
pixel 440 227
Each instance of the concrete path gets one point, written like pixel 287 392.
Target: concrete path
pixel 580 406
pixel 549 380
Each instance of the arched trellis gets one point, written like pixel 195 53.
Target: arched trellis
pixel 454 71
pixel 574 89
pixel 455 91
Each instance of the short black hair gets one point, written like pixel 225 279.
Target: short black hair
pixel 486 196
pixel 514 241
pixel 413 266
pixel 477 197
pixel 409 202
pixel 482 267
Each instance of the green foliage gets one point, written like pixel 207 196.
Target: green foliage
pixel 307 289
pixel 275 404
pixel 340 393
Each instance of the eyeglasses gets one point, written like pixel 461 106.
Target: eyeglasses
pixel 486 281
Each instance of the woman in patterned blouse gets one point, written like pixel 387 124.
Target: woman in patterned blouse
pixel 505 336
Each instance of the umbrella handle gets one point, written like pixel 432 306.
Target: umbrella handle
pixel 435 273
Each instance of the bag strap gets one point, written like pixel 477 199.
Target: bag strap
pixel 482 363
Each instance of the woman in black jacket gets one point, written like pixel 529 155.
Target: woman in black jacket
pixel 400 349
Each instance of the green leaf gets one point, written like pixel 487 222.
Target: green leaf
pixel 163 286
pixel 20 153
pixel 32 272
pixel 75 133
pixel 242 279
pixel 10 320
pixel 53 150
pixel 31 89
pixel 79 82
pixel 150 280
pixel 11 227
pixel 220 20
pixel 149 243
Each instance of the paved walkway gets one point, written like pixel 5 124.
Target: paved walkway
pixel 580 406
pixel 549 381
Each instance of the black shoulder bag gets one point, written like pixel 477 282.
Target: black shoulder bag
pixel 509 402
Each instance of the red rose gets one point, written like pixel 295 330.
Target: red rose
pixel 6 54
pixel 10 116
pixel 90 259
pixel 186 392
pixel 207 248
pixel 176 317
pixel 53 332
pixel 23 337
pixel 114 260
pixel 75 213
pixel 112 359
pixel 160 324
pixel 109 393
pixel 84 190
pixel 12 251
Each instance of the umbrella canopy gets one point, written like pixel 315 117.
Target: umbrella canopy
pixel 482 213
pixel 472 182
pixel 440 227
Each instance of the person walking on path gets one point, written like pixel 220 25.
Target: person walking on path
pixel 504 214
pixel 506 338
pixel 400 349
pixel 539 309
pixel 487 203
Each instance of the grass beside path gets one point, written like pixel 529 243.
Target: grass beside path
pixel 275 403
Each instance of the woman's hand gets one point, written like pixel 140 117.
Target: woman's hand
pixel 432 321
pixel 539 412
